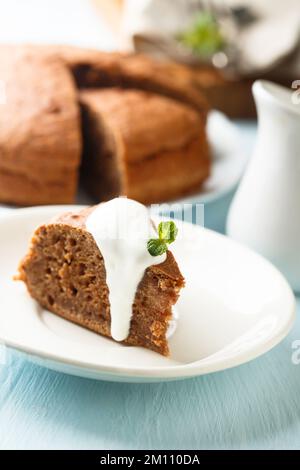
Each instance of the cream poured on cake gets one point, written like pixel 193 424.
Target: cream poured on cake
pixel 121 229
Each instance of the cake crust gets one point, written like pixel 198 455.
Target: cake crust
pixel 97 69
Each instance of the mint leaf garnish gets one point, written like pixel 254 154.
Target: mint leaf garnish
pixel 204 37
pixel 167 233
pixel 156 247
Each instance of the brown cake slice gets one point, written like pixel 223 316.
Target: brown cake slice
pixel 40 135
pixel 65 272
pixel 148 147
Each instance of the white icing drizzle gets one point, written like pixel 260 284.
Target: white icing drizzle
pixel 121 228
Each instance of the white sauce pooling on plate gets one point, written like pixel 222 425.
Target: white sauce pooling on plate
pixel 121 228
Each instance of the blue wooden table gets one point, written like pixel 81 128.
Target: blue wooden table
pixel 253 406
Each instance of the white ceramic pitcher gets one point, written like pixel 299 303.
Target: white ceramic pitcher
pixel 265 212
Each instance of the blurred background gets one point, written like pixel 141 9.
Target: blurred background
pixel 228 42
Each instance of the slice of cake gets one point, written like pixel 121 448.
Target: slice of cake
pixel 148 147
pixel 98 268
pixel 40 134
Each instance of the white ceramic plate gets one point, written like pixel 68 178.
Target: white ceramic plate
pixel 235 307
pixel 229 159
